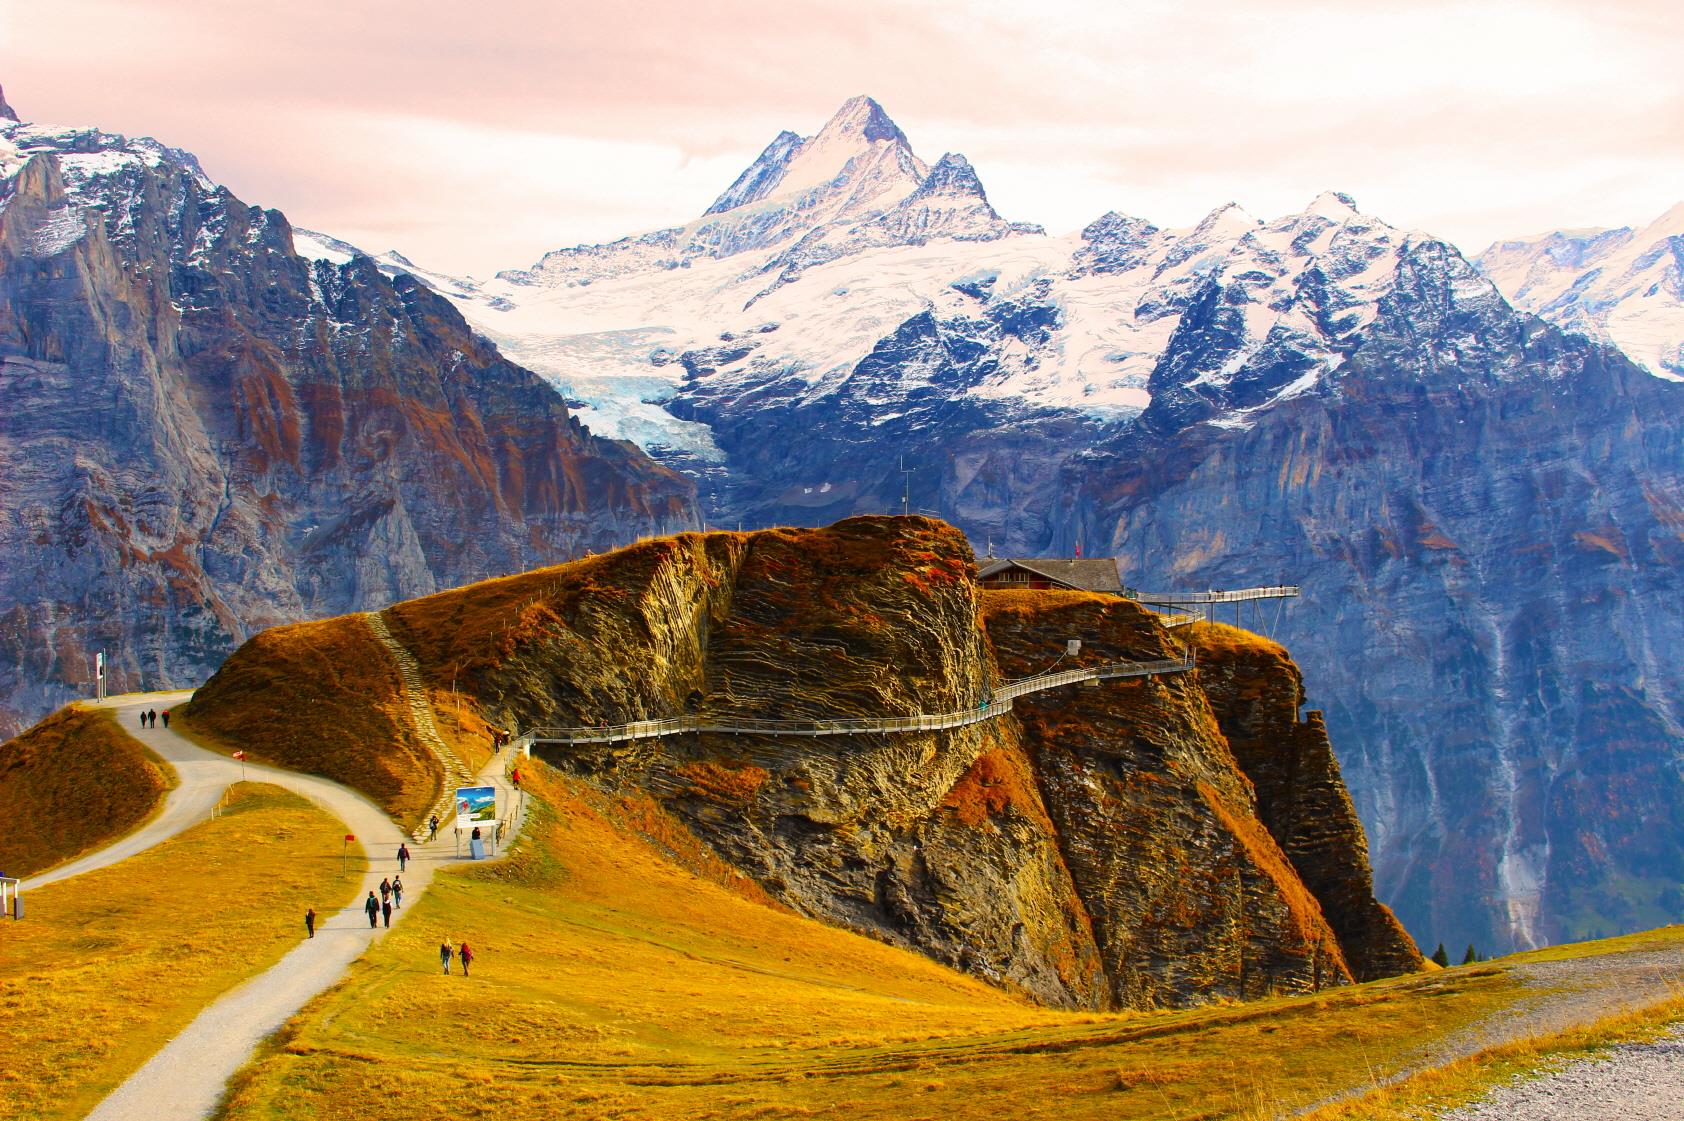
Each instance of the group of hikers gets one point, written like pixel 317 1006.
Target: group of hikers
pixel 379 909
pixel 149 718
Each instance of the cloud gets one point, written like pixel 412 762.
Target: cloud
pixel 475 140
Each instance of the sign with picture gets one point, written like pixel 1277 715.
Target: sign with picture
pixel 475 805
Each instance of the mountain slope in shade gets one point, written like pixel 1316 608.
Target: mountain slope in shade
pixel 1623 286
pixel 205 433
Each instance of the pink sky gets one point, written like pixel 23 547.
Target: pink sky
pixel 475 136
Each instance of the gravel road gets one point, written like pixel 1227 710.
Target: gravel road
pixel 1635 1082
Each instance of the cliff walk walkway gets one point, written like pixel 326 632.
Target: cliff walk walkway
pixel 1235 595
pixel 997 705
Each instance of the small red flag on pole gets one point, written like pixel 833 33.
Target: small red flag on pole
pixel 241 756
pixel 345 848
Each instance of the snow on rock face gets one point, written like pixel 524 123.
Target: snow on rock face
pixel 1621 286
pixel 6 111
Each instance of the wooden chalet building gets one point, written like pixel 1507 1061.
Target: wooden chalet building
pixel 1082 574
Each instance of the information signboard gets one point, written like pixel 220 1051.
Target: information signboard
pixel 475 805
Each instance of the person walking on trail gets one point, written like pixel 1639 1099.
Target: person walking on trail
pixel 397 891
pixel 385 890
pixel 444 957
pixel 143 720
pixel 152 717
pixel 434 822
pixel 386 911
pixel 372 906
pixel 403 856
pixel 310 921
pixel 516 778
pixel 166 718
pixel 467 956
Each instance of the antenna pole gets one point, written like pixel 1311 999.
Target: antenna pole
pixel 906 492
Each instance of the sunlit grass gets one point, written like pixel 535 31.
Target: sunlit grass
pixel 72 783
pixel 625 972
pixel 105 968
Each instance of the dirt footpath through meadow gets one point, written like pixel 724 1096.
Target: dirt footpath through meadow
pixel 187 1077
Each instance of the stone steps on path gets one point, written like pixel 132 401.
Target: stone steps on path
pixel 420 711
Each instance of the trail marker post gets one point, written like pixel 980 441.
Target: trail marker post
pixel 344 849
pixel 241 756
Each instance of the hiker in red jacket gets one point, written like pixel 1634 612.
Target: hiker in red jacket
pixel 466 955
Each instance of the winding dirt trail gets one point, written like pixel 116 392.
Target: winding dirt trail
pixel 187 1077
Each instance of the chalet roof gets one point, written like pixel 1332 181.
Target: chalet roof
pixel 1086 574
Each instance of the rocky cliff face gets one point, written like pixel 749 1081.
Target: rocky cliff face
pixel 205 434
pixel 1095 848
pixel 1487 531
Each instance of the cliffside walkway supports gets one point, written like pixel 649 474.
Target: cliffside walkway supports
pixel 997 705
pixel 1206 602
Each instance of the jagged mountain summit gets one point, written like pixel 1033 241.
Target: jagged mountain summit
pixel 1622 286
pixel 204 433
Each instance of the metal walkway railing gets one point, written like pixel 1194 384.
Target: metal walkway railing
pixel 1238 595
pixel 997 705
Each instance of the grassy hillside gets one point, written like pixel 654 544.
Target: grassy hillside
pixel 106 967
pixel 323 698
pixel 72 783
pixel 624 972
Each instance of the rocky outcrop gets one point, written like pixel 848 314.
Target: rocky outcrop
pixel 206 434
pixel 1094 848
pixel 1255 692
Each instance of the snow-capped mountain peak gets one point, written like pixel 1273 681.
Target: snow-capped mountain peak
pixel 6 111
pixel 1336 206
pixel 860 152
pixel 1623 286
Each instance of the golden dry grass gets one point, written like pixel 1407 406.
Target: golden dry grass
pixel 106 967
pixel 70 784
pixel 636 977
pixel 323 698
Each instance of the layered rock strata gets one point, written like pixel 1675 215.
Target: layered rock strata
pixel 1094 848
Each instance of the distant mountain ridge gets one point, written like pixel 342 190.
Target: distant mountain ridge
pixel 205 434
pixel 1623 286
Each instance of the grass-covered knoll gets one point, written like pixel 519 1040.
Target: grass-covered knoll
pixel 105 968
pixel 324 698
pixel 623 972
pixel 72 783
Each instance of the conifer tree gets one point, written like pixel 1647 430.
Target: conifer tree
pixel 1471 956
pixel 1440 956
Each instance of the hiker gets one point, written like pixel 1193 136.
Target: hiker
pixel 516 778
pixel 434 822
pixel 372 906
pixel 397 891
pixel 143 720
pixel 310 921
pixel 467 956
pixel 166 718
pixel 403 856
pixel 444 957
pixel 386 911
pixel 385 890
pixel 152 717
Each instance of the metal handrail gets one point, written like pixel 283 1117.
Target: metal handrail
pixel 997 705
pixel 1277 591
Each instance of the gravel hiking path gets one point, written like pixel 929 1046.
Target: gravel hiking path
pixel 1634 1082
pixel 187 1077
pixel 1562 995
